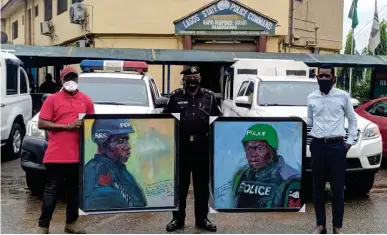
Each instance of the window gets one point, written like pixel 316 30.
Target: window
pixel 117 91
pixel 62 6
pixel 36 9
pixel 152 92
pixel 23 82
pixel 247 71
pixel 243 88
pixel 378 109
pixel 250 89
pixel 15 30
pixel 12 72
pixel 155 88
pixel 47 10
pixel 295 72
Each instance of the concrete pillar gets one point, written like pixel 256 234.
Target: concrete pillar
pixel 187 43
pixel 262 40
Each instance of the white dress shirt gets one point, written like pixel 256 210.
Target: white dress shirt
pixel 327 113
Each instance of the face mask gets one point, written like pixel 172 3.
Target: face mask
pixel 325 85
pixel 192 84
pixel 70 86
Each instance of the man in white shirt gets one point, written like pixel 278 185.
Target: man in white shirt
pixel 327 109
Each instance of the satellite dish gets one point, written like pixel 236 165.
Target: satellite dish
pixel 4 37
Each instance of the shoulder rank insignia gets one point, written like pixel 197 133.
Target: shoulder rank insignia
pixel 207 91
pixel 177 91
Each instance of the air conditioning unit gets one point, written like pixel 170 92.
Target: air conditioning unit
pixel 311 43
pixel 46 27
pixel 77 13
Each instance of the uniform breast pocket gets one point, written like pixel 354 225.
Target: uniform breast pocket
pixel 182 105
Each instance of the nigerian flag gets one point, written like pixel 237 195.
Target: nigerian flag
pixel 353 14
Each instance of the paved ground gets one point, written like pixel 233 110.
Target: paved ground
pixel 20 212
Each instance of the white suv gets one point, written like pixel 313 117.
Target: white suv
pixel 127 91
pixel 287 96
pixel 16 103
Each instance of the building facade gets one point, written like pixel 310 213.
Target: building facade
pixel 287 26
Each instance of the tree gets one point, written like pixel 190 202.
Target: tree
pixel 343 73
pixel 382 48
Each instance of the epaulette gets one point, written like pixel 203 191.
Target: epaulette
pixel 177 91
pixel 205 90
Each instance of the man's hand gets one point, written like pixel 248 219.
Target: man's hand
pixel 348 146
pixel 75 124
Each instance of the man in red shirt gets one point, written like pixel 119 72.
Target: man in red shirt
pixel 60 116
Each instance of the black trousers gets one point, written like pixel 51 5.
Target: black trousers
pixel 57 173
pixel 328 163
pixel 194 158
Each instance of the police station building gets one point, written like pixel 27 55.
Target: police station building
pixel 286 26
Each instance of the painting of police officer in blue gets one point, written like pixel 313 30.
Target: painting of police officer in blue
pixel 257 166
pixel 129 164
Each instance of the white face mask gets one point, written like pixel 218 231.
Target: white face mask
pixel 70 86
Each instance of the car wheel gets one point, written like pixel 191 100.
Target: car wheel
pixel 14 143
pixel 360 186
pixel 35 184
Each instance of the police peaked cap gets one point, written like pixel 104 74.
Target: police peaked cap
pixel 191 70
pixel 102 129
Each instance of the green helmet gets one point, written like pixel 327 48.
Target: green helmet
pixel 262 132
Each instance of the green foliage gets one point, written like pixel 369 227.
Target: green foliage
pixel 382 48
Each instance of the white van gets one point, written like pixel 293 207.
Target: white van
pixel 16 104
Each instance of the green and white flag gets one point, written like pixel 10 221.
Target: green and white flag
pixel 375 31
pixel 353 14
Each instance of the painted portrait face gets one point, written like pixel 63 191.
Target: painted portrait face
pixel 119 148
pixel 257 153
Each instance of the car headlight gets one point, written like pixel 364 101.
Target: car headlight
pixel 371 132
pixel 34 131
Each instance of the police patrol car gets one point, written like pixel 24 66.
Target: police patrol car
pixel 115 87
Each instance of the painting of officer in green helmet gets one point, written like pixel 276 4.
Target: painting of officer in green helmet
pixel 262 162
pixel 128 164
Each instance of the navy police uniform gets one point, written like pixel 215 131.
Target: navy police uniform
pixel 195 111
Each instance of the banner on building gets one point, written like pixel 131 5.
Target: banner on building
pixel 128 163
pixel 257 164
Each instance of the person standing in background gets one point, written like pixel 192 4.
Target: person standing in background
pixel 327 109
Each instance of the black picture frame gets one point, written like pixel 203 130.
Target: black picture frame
pixel 137 209
pixel 259 119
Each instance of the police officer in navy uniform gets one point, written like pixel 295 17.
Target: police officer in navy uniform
pixel 195 105
pixel 108 184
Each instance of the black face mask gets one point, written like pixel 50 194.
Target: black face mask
pixel 192 84
pixel 325 85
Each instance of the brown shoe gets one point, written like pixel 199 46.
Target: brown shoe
pixel 337 231
pixel 42 230
pixel 319 230
pixel 74 228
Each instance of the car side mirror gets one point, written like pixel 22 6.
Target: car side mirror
pixel 243 101
pixel 355 103
pixel 44 97
pixel 161 102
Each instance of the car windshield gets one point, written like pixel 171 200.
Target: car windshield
pixel 115 91
pixel 281 93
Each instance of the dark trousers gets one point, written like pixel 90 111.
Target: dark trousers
pixel 56 174
pixel 328 163
pixel 194 157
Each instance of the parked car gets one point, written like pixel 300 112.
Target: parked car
pixel 16 104
pixel 376 111
pixel 127 92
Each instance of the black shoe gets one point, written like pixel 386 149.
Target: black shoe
pixel 319 230
pixel 174 225
pixel 206 225
pixel 337 231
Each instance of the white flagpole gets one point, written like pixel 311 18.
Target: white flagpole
pixel 350 69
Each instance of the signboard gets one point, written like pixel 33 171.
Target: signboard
pixel 379 88
pixel 257 164
pixel 128 163
pixel 225 17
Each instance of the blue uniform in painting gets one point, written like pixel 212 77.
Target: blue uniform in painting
pixel 109 185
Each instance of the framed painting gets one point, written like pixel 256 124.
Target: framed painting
pixel 128 163
pixel 256 164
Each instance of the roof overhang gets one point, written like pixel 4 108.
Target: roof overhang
pixel 10 7
pixel 224 18
pixel 40 56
